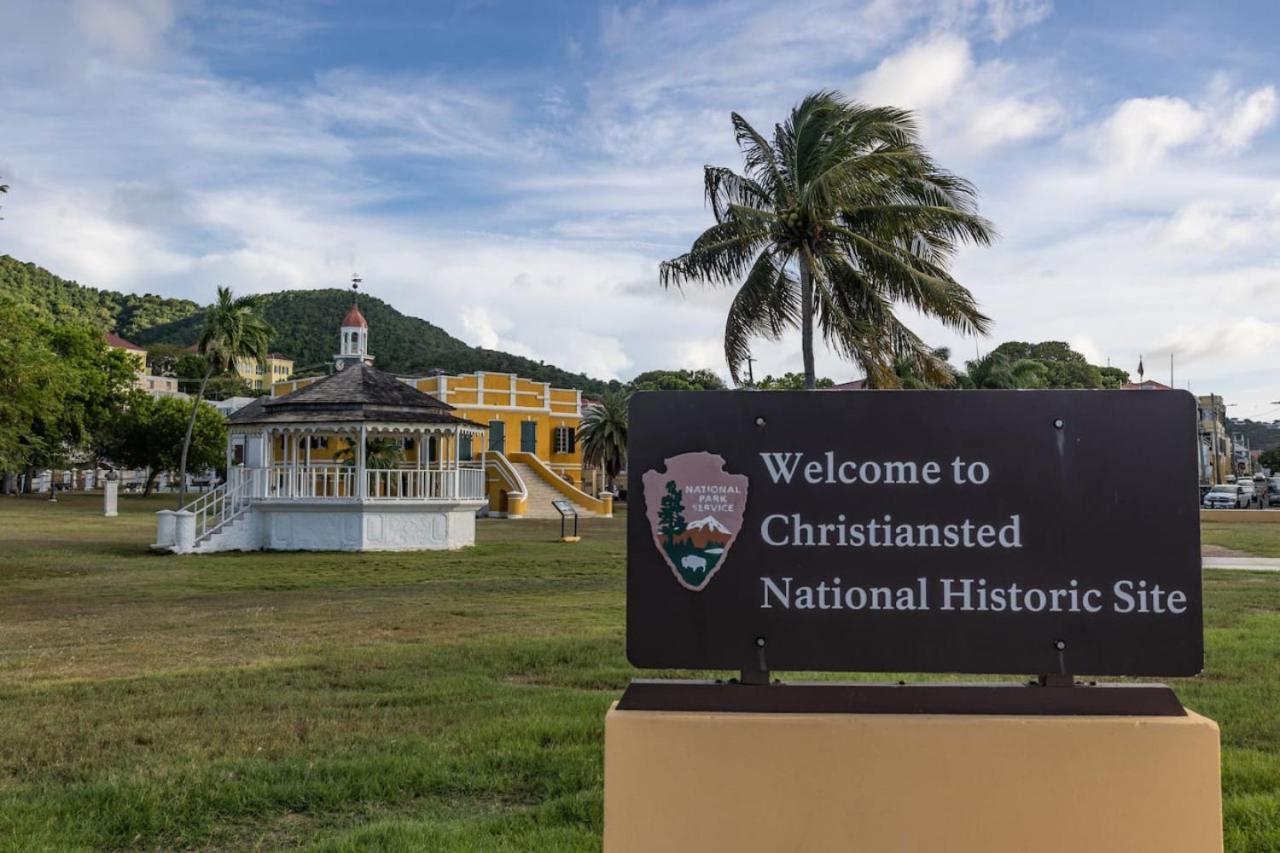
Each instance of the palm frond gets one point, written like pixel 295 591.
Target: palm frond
pixel 766 305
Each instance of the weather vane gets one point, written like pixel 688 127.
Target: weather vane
pixel 356 281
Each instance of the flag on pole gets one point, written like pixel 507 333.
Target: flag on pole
pixel 1140 370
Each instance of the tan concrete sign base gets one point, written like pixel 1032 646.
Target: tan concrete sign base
pixel 885 782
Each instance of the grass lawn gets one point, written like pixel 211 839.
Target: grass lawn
pixel 435 701
pixel 1256 540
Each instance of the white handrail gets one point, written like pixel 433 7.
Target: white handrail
pixel 222 504
pixel 507 472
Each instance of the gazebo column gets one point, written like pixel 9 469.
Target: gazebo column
pixel 362 474
pixel 457 461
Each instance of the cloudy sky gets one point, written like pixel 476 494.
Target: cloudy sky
pixel 514 172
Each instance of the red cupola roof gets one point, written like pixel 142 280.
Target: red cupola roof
pixel 355 318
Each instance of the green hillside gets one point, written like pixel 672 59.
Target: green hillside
pixel 306 323
pixel 126 314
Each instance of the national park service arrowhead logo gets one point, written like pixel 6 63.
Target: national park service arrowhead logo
pixel 695 510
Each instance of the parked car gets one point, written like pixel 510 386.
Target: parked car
pixel 1273 491
pixel 1250 493
pixel 1226 496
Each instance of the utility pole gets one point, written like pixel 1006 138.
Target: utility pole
pixel 751 378
pixel 1213 409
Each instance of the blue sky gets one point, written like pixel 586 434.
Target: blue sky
pixel 515 171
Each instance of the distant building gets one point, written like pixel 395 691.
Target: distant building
pixel 1146 385
pixel 156 386
pixel 1216 445
pixel 261 377
pixel 136 353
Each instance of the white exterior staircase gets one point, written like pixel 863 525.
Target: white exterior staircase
pixel 541 494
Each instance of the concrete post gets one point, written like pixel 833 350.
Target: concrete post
pixel 110 495
pixel 184 532
pixel 165 530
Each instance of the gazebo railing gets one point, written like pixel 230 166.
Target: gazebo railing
pixel 312 482
pixel 341 483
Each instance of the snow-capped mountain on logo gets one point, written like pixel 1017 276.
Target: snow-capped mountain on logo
pixel 704 532
pixel 709 522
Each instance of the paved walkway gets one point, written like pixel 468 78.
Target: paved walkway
pixel 1253 564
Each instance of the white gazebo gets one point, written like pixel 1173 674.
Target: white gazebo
pixel 289 487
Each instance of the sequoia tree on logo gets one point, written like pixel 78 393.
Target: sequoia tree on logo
pixel 695 511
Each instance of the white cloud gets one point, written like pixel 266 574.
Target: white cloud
pixel 1142 131
pixel 1251 113
pixel 962 106
pixel 1244 339
pixel 921 77
pixel 130 30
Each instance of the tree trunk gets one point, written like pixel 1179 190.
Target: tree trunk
pixel 806 324
pixel 186 442
pixel 152 473
pixel 29 481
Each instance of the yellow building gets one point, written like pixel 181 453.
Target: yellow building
pixel 530 428
pixel 278 369
pixel 156 386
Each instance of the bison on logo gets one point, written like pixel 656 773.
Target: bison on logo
pixel 695 510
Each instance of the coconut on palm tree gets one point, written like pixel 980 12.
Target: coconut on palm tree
pixel 835 222
pixel 603 434
pixel 234 330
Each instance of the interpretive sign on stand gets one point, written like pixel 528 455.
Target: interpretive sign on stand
pixel 916 531
pixel 567 510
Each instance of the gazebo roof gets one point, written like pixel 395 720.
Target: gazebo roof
pixel 356 393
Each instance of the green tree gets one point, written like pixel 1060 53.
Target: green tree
pixel 838 219
pixel 163 359
pixel 790 382
pixel 67 386
pixel 603 434
pixel 150 431
pixel 30 378
pixel 233 330
pixel 678 380
pixel 379 453
pixel 1064 367
pixel 671 522
pixel 1113 377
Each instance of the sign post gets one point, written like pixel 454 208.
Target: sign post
pixel 1052 535
pixel 567 510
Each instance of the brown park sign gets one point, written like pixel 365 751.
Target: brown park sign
pixel 915 531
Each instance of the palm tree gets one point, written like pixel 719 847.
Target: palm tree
pixel 603 434
pixel 234 330
pixel 379 453
pixel 836 221
pixel 996 370
pixel 905 371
